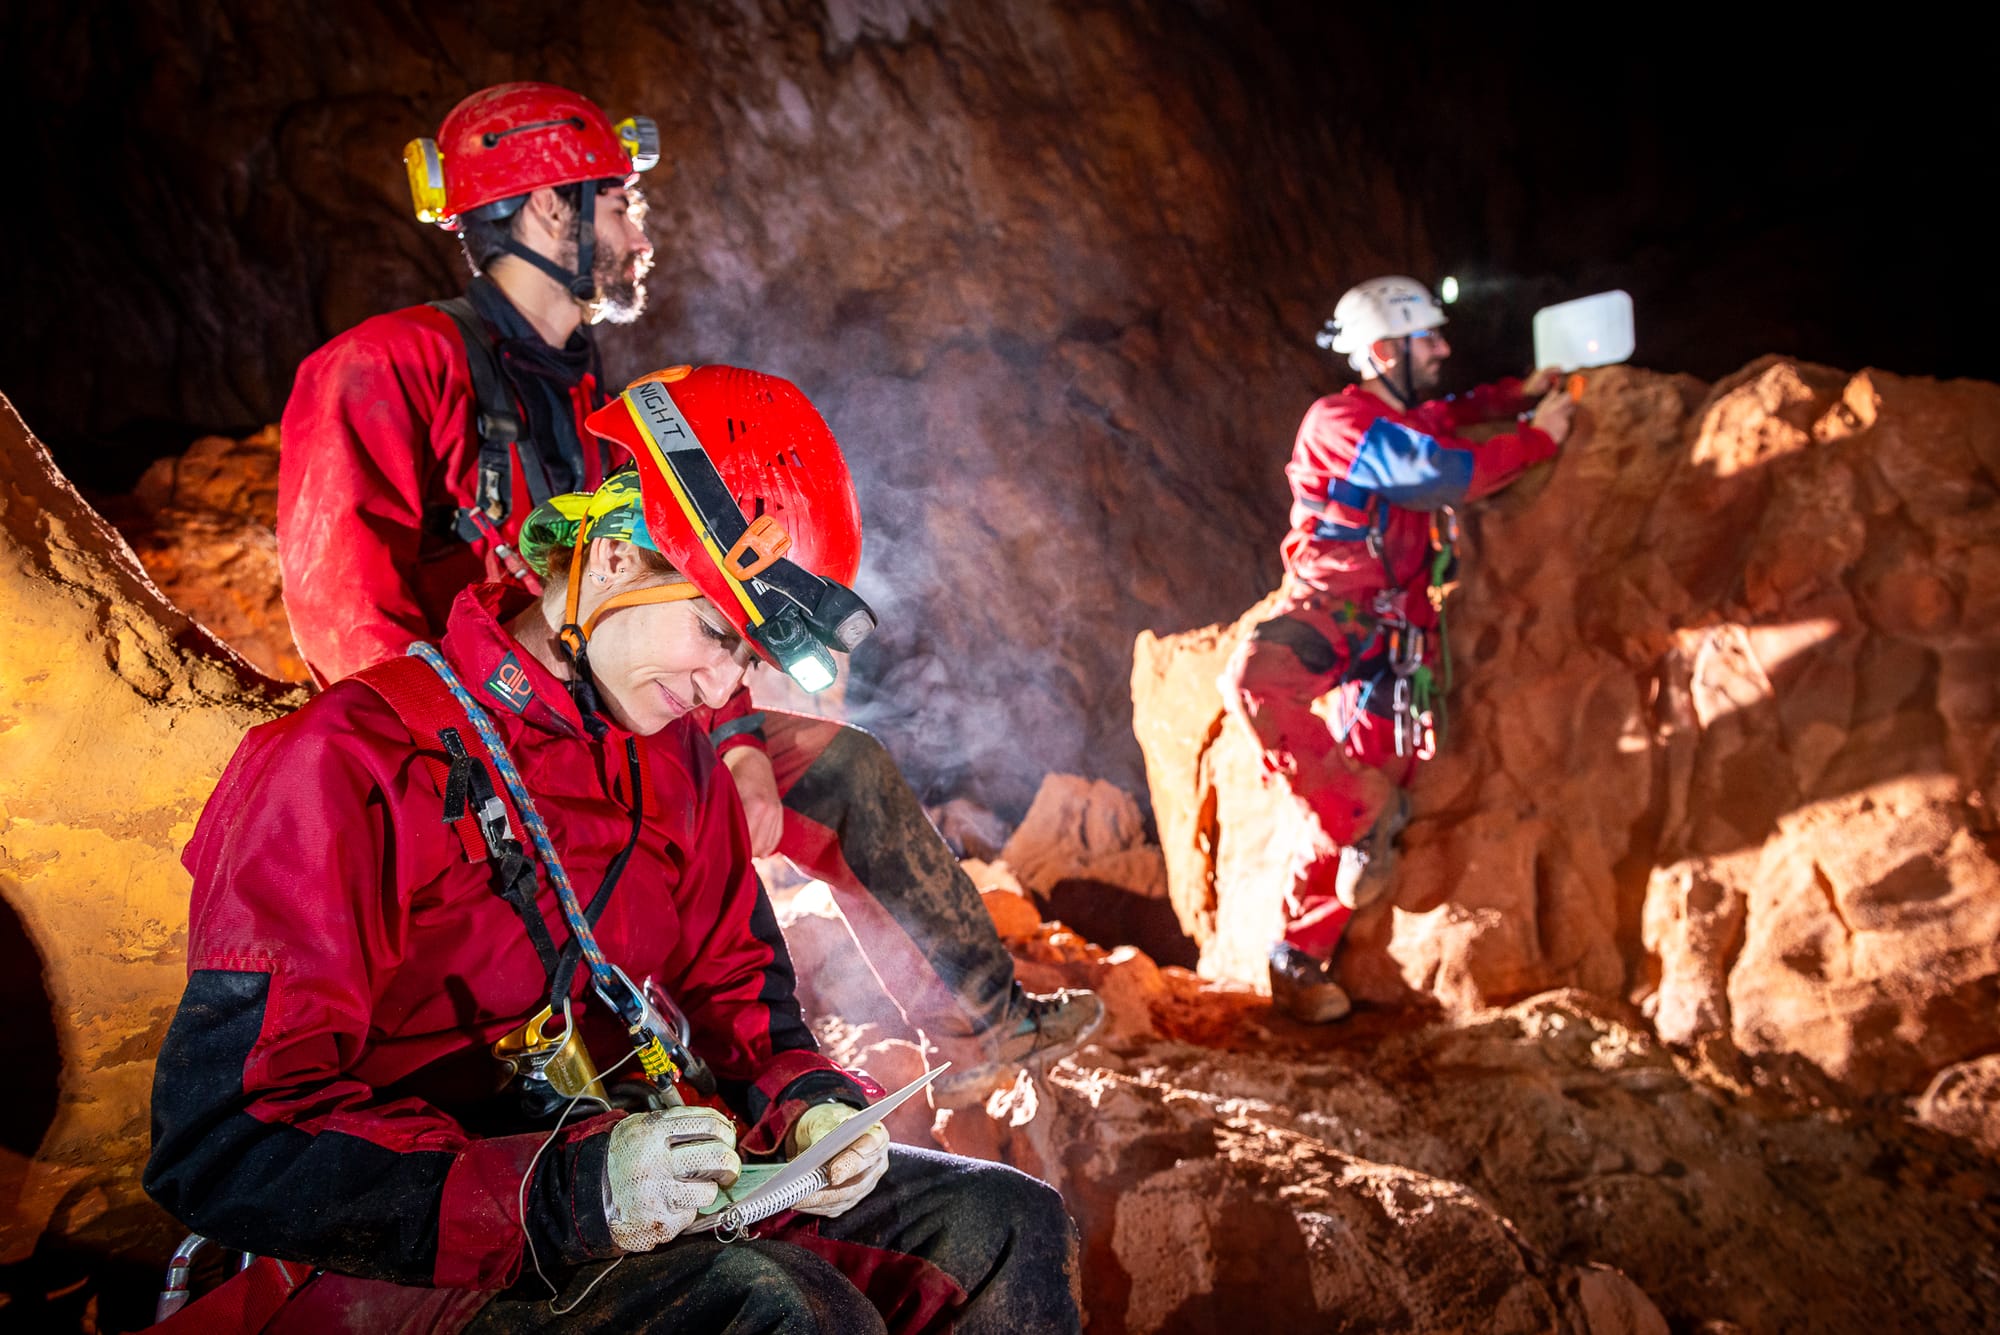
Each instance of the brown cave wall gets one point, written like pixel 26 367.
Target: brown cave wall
pixel 1050 270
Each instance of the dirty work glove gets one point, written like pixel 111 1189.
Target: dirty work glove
pixel 661 1167
pixel 852 1173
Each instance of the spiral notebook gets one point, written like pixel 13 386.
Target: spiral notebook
pixel 765 1189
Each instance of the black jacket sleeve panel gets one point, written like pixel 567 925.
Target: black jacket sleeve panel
pixel 272 1188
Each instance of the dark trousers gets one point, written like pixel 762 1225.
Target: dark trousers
pixel 852 821
pixel 942 1244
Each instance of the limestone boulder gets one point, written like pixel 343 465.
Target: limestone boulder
pixel 117 714
pixel 1723 736
pixel 1084 829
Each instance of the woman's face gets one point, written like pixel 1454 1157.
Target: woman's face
pixel 656 661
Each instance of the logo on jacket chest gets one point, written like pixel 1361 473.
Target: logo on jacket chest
pixel 509 683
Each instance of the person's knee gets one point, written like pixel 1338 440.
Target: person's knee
pixel 864 759
pixel 783 1290
pixel 1029 1252
pixel 1017 1213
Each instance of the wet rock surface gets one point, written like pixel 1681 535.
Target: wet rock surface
pixel 1723 738
pixel 117 713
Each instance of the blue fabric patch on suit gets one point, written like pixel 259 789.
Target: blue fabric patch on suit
pixel 1408 468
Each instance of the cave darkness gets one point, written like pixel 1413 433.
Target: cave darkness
pixel 205 191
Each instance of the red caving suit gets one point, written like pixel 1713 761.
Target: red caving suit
pixel 325 1095
pixel 348 967
pixel 1359 464
pixel 379 450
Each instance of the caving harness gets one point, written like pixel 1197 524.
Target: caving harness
pixel 553 1064
pixel 502 438
pixel 1386 652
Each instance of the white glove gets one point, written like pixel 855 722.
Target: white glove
pixel 661 1168
pixel 850 1174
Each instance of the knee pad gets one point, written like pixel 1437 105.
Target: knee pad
pixel 1314 651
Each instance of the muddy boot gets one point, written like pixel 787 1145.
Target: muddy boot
pixel 1368 868
pixel 1303 987
pixel 1038 1030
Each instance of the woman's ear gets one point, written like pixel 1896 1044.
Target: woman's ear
pixel 615 559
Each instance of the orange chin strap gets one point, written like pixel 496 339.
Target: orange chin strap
pixel 575 638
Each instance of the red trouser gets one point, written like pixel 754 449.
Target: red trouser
pixel 852 821
pixel 1283 665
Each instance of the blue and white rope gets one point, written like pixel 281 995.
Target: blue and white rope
pixel 609 983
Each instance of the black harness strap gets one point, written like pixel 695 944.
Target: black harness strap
pixel 513 871
pixel 497 423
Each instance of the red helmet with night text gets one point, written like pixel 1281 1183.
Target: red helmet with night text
pixel 746 492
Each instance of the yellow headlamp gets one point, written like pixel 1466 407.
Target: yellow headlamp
pixel 425 165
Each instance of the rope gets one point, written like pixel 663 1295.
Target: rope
pixel 609 983
pixel 1439 567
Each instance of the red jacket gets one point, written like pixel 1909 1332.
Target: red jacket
pixel 319 1089
pixel 380 450
pixel 1359 462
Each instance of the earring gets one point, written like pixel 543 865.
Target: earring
pixel 598 578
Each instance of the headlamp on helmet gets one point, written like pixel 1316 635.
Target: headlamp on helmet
pixel 746 492
pixel 792 616
pixel 504 142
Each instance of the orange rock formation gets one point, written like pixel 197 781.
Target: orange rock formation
pixel 204 524
pixel 1724 737
pixel 117 713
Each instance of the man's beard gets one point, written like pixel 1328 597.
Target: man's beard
pixel 621 287
pixel 1426 376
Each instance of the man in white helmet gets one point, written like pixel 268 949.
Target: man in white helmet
pixel 1375 474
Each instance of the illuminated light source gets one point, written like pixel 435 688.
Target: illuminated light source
pixel 1448 290
pixel 812 674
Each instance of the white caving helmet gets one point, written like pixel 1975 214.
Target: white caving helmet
pixel 1388 307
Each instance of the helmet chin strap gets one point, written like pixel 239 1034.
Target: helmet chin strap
pixel 1405 393
pixel 574 637
pixel 580 283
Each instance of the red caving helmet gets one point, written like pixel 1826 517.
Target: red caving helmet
pixel 505 141
pixel 747 493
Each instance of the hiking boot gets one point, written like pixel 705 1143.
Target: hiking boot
pixel 1368 866
pixel 1038 1030
pixel 1303 987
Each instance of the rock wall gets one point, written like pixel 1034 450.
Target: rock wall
pixel 204 524
pixel 117 714
pixel 1724 735
pixel 1051 271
